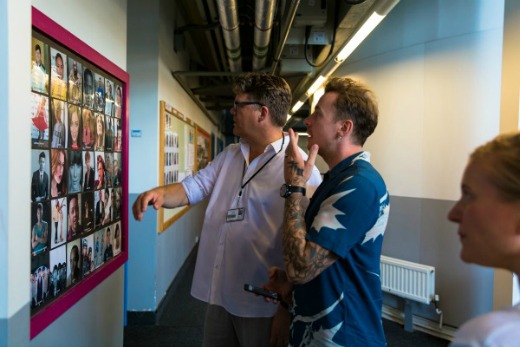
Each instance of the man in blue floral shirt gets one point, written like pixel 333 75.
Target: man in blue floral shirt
pixel 332 248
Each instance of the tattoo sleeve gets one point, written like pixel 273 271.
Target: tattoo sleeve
pixel 303 260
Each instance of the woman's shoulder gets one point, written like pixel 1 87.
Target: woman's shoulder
pixel 499 328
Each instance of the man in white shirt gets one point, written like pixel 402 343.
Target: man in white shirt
pixel 241 235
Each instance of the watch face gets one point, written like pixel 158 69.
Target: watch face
pixel 284 192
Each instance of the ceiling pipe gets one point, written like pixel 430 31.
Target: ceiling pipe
pixel 264 15
pixel 291 14
pixel 228 17
pixel 195 99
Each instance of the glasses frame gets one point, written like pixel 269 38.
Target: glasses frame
pixel 245 103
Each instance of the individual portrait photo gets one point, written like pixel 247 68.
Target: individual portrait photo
pixel 118 102
pixel 89 126
pixel 87 205
pixel 39 280
pixel 118 140
pixel 108 252
pixel 109 97
pixel 40 229
pixel 107 215
pixel 117 172
pixel 117 239
pixel 202 152
pixel 109 168
pixel 88 89
pixel 58 271
pixel 75 172
pixel 109 133
pixel 58 228
pixel 75 81
pixel 99 200
pixel 116 210
pixel 74 216
pixel 99 182
pixel 88 170
pixel 99 95
pixel 40 175
pixel 59 175
pixel 40 66
pixel 40 120
pixel 87 255
pixel 74 262
pixel 74 132
pixel 59 119
pixel 58 78
pixel 99 247
pixel 99 139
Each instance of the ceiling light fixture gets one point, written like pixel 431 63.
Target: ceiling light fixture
pixel 297 106
pixel 381 9
pixel 317 83
pixel 360 35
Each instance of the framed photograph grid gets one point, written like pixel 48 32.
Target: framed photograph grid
pixel 79 170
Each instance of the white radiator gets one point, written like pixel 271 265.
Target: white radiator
pixel 408 280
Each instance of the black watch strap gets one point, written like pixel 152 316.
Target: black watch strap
pixel 286 190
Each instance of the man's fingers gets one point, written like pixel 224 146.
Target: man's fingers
pixel 140 206
pixel 312 156
pixel 293 144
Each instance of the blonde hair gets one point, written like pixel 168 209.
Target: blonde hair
pixel 503 155
pixel 55 161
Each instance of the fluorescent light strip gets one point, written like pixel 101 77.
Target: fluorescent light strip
pixel 360 35
pixel 319 81
pixel 296 107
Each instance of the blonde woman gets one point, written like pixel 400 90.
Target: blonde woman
pixel 88 129
pixel 100 133
pixel 74 127
pixel 58 173
pixel 488 215
pixel 58 130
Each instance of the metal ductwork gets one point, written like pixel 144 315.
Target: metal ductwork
pixel 228 16
pixel 264 15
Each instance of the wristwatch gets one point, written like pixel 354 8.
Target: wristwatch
pixel 286 190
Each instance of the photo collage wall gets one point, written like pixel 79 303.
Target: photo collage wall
pixel 76 167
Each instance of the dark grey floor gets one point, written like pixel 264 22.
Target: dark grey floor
pixel 181 321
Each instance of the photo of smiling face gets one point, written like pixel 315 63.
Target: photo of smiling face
pixel 59 66
pixel 74 216
pixel 74 127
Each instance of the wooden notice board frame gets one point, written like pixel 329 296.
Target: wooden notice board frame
pixel 176 156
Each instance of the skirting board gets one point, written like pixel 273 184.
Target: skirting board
pixel 421 324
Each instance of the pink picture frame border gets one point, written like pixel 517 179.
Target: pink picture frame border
pixel 42 319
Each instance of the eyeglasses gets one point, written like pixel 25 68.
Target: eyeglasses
pixel 237 103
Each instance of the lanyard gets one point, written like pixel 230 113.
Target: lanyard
pixel 257 171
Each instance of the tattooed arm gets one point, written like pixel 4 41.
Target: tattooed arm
pixel 303 260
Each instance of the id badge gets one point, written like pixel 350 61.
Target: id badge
pixel 235 214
